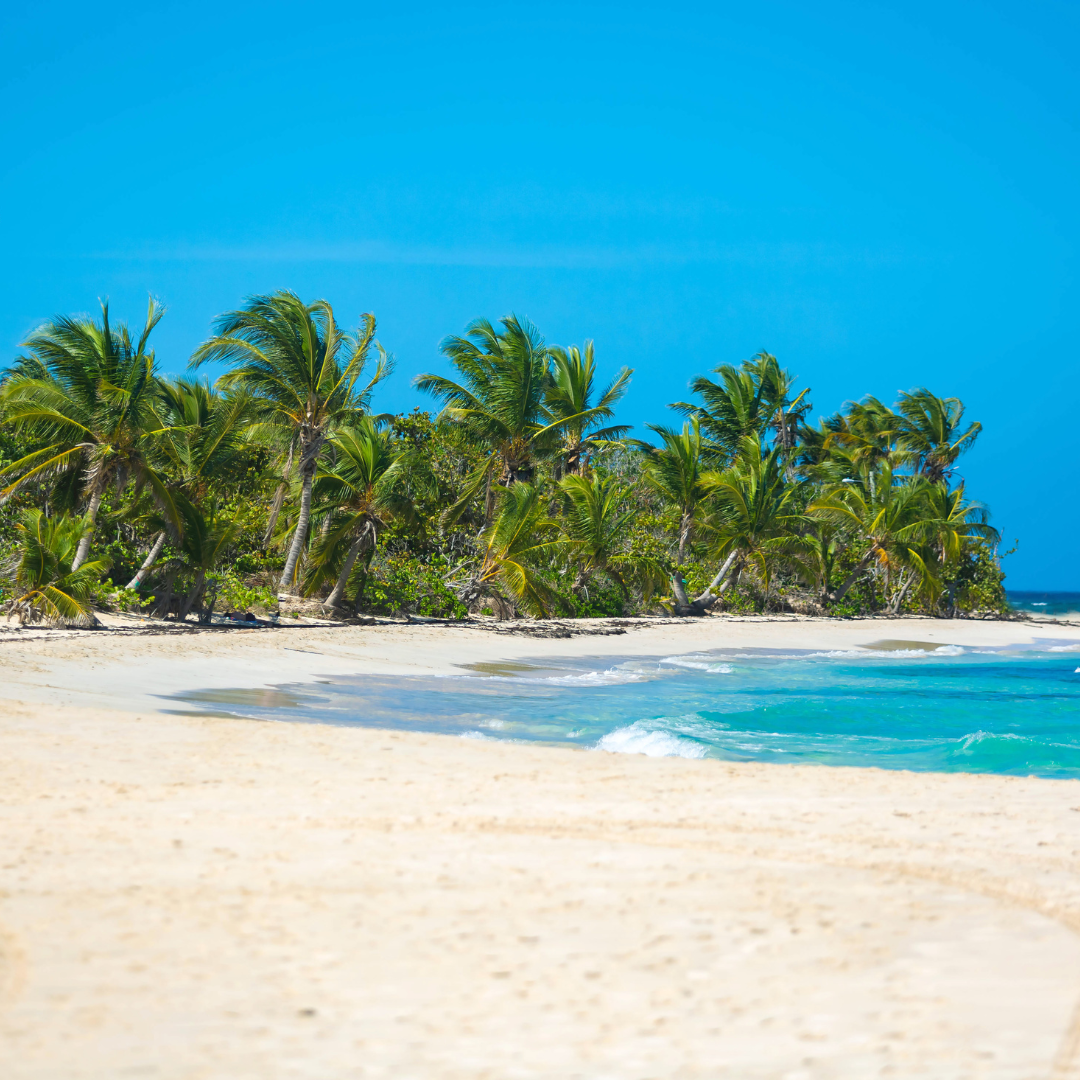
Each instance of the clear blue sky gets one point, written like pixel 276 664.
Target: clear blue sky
pixel 882 195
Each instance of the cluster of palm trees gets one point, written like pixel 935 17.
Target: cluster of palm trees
pixel 524 490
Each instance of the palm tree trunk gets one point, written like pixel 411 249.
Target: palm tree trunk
pixel 148 562
pixel 300 536
pixel 684 537
pixel 722 573
pixel 904 587
pixel 726 577
pixel 359 598
pixel 164 601
pixel 91 515
pixel 279 499
pixel 338 592
pixel 860 569
pixel 192 597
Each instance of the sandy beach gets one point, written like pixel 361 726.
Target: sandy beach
pixel 191 896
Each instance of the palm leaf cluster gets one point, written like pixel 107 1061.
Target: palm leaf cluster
pixel 524 495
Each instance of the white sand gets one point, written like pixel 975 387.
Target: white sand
pixel 192 897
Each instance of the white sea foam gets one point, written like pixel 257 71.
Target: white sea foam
pixel 642 738
pixel 611 677
pixel 889 654
pixel 697 662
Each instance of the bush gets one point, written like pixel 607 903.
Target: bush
pixel 236 594
pixel 398 584
pixel 598 601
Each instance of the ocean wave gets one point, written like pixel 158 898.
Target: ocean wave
pixel 641 737
pixel 696 662
pixel 886 654
pixel 610 677
pixel 975 739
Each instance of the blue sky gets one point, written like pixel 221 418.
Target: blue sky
pixel 884 196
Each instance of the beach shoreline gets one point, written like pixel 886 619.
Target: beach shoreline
pixel 202 895
pixel 77 667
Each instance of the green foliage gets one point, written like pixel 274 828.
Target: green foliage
pixel 397 584
pixel 603 600
pixel 523 496
pixel 237 593
pixel 47 586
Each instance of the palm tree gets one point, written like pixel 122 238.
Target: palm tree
pixel 953 519
pixel 888 520
pixel 366 485
pixel 500 401
pixel 745 403
pixel 674 471
pixel 204 541
pixel 52 588
pixel 778 385
pixel 87 390
pixel 930 430
pixel 510 548
pixel 305 372
pixel 867 433
pixel 952 525
pixel 756 516
pixel 596 529
pixel 570 400
pixel 815 553
pixel 205 438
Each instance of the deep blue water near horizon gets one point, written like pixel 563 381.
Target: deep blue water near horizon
pixel 1044 603
pixel 903 705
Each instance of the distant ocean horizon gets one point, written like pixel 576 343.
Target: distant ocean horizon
pixel 1044 603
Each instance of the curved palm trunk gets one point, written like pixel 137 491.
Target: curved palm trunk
pixel 860 569
pixel 148 562
pixel 904 587
pixel 726 576
pixel 91 515
pixel 338 593
pixel 300 536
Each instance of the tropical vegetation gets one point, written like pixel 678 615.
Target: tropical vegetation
pixel 277 488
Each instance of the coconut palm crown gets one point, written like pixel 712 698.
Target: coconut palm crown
pixel 570 399
pixel 307 374
pixel 86 390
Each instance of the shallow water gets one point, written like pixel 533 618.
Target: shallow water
pixel 894 704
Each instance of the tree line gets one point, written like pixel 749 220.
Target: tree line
pixel 280 488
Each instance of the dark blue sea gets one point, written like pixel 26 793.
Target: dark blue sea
pixel 1045 603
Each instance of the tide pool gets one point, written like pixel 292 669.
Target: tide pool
pixel 896 705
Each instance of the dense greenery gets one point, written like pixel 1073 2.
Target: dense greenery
pixel 278 487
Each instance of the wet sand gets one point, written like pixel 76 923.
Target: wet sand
pixel 191 896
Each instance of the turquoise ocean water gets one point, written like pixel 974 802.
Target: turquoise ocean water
pixel 902 705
